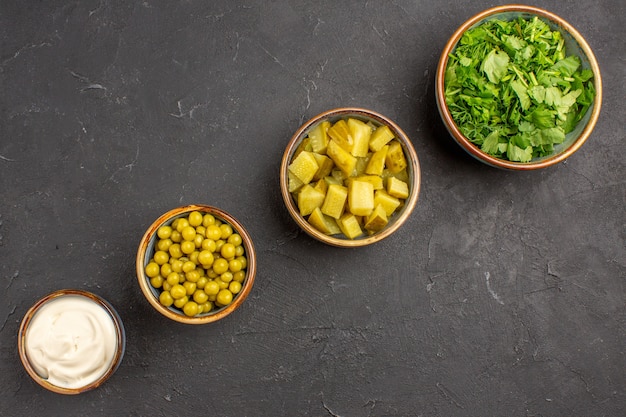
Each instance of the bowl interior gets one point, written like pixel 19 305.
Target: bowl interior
pixel 574 45
pixel 147 251
pixel 120 342
pixel 413 171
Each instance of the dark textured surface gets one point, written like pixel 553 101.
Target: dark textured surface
pixel 503 295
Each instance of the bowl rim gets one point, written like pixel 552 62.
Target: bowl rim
pixel 473 149
pixel 214 315
pixel 115 361
pixel 413 161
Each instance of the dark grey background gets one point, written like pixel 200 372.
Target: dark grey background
pixel 503 294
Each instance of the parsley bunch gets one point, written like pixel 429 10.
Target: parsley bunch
pixel 512 90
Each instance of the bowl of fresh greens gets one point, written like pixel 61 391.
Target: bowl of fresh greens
pixel 518 88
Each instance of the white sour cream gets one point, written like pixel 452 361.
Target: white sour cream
pixel 71 341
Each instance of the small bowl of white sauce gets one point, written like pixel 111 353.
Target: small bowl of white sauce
pixel 71 341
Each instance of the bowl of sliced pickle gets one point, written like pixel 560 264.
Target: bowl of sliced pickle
pixel 350 177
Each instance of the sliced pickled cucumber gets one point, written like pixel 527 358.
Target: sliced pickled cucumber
pixel 305 145
pixel 360 198
pixel 376 164
pixel 397 188
pixel 308 199
pixel 319 138
pixel 402 175
pixel 361 134
pixel 388 202
pixel 375 180
pixel 380 137
pixel 349 225
pixel 323 223
pixel 304 166
pixel 342 158
pixel 340 133
pixel 325 165
pixel 377 220
pixel 361 164
pixel 339 176
pixel 395 160
pixel 331 179
pixel 321 185
pixel 294 182
pixel 335 201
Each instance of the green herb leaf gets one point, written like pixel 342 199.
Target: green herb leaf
pixel 495 65
pixel 567 66
pixel 512 89
pixel 517 154
pixel 549 136
pixel 490 144
pixel 538 93
pixel 522 94
pixel 513 43
pixel 542 117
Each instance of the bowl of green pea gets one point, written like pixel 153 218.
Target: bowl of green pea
pixel 196 264
pixel 518 88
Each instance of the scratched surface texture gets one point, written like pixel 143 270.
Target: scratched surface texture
pixel 503 295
